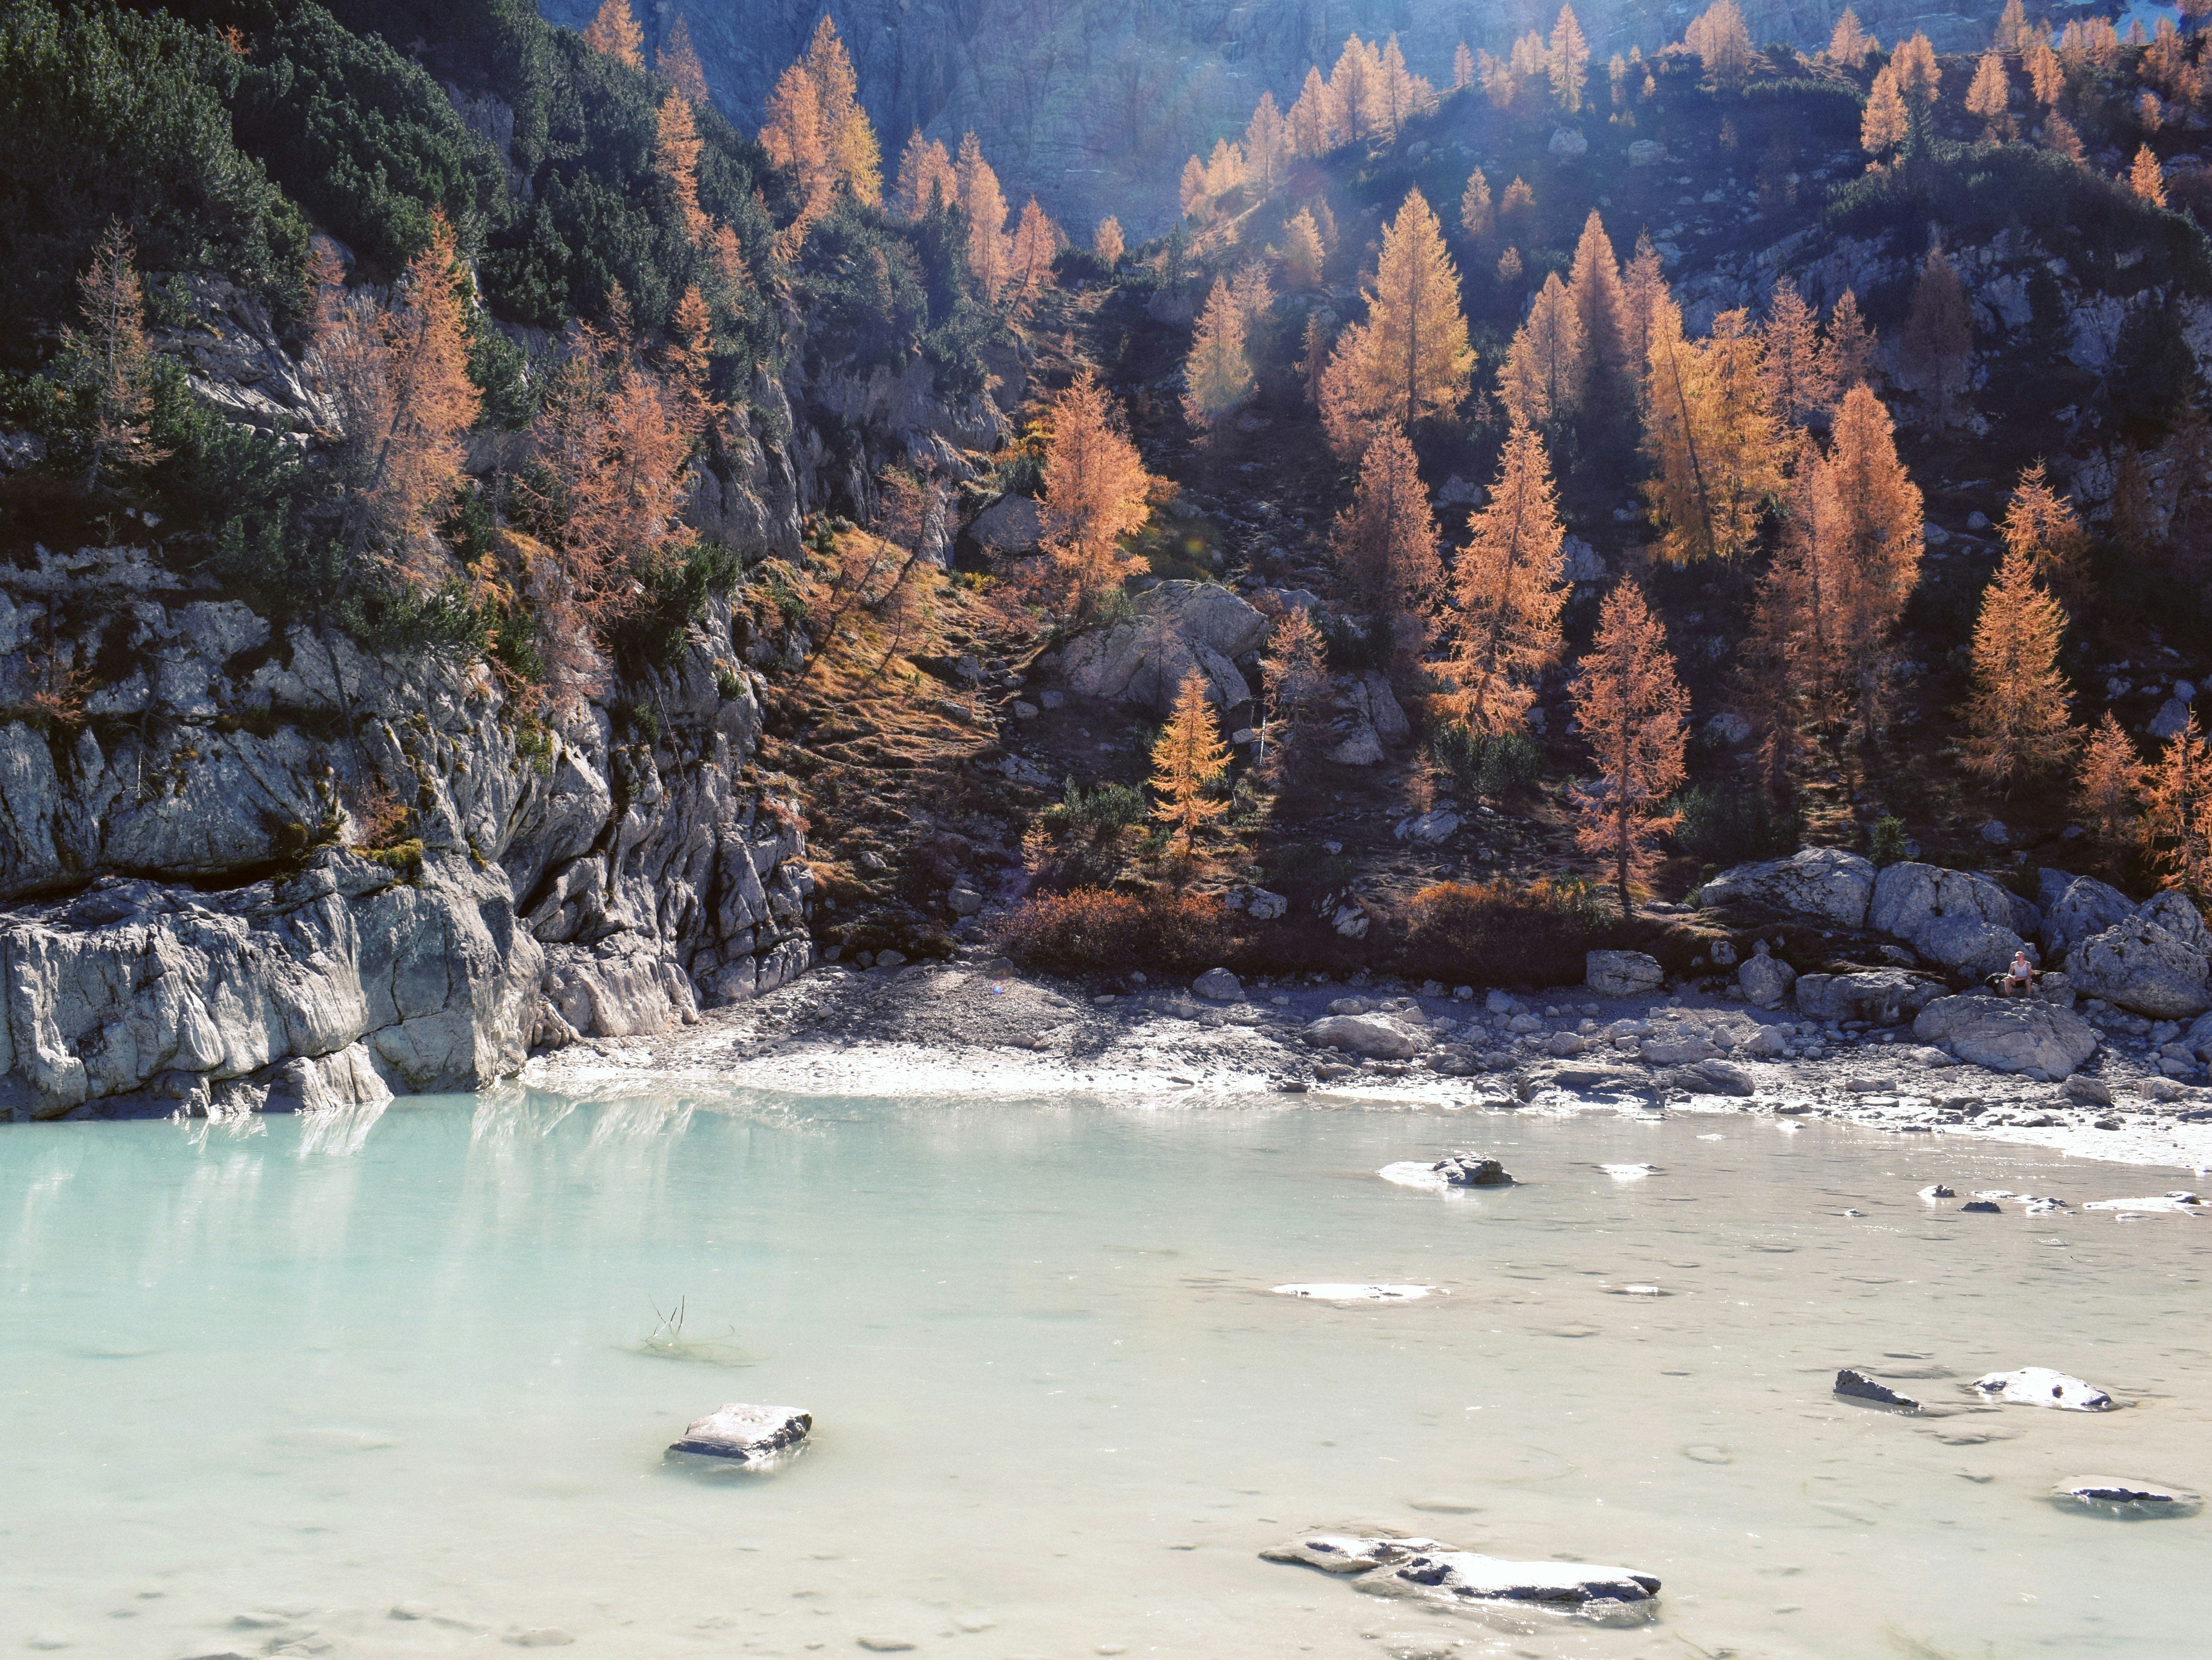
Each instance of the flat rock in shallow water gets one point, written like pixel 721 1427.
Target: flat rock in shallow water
pixel 1351 1292
pixel 2118 1495
pixel 1434 1571
pixel 1860 1387
pixel 2040 1386
pixel 2174 1204
pixel 1456 1170
pixel 746 1434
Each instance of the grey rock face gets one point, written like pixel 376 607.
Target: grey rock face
pixel 1827 883
pixel 2007 1034
pixel 1179 627
pixel 1957 918
pixel 1622 973
pixel 1883 996
pixel 2078 907
pixel 2174 912
pixel 1368 719
pixel 1218 984
pixel 594 887
pixel 2143 969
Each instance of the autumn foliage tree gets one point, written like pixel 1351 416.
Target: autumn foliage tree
pixel 1189 759
pixel 2173 832
pixel 615 32
pixel 926 180
pixel 2108 788
pixel 1217 374
pixel 1593 287
pixel 1106 241
pixel 1545 364
pixel 1410 359
pixel 676 162
pixel 1095 490
pixel 1633 713
pixel 678 62
pixel 985 205
pixel 1710 435
pixel 1510 585
pixel 111 362
pixel 1386 540
pixel 2016 713
pixel 1937 347
pixel 816 129
pixel 398 376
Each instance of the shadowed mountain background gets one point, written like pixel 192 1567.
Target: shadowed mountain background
pixel 1093 104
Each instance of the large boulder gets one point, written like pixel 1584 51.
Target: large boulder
pixel 1766 979
pixel 1881 996
pixel 2141 967
pixel 1178 627
pixel 1961 920
pixel 2076 908
pixel 1622 973
pixel 1826 882
pixel 1012 524
pixel 2007 1034
pixel 2178 914
pixel 1372 1035
pixel 1367 722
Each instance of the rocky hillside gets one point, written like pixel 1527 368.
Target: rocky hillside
pixel 279 827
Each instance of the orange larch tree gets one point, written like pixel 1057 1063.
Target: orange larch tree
pixel 615 32
pixel 1510 584
pixel 2108 788
pixel 1633 713
pixel 2016 713
pixel 1095 491
pixel 1386 540
pixel 112 358
pixel 926 180
pixel 1189 759
pixel 678 62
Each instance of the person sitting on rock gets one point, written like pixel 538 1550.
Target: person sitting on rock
pixel 2020 978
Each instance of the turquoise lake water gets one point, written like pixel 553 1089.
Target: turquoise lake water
pixel 380 1387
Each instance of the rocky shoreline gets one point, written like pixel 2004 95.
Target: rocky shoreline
pixel 977 1028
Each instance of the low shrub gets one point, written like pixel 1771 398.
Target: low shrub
pixel 1492 766
pixel 1494 933
pixel 1093 931
pixel 1734 826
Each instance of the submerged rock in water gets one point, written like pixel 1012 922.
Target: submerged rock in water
pixel 1471 1170
pixel 1937 1190
pixel 1860 1387
pixel 746 1434
pixel 2117 1495
pixel 1428 1569
pixel 2176 1204
pixel 1345 1291
pixel 1986 1207
pixel 2040 1386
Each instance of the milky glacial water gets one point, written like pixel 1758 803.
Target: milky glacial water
pixel 265 1386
